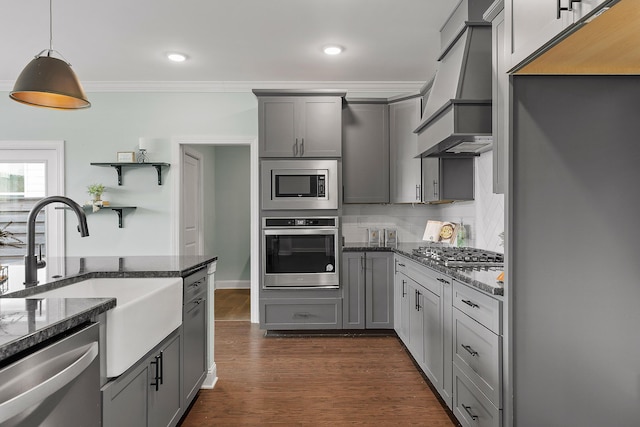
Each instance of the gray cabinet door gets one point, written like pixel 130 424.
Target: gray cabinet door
pixel 379 290
pixel 416 322
pixel 431 179
pixel 194 329
pixel 278 126
pixel 300 126
pixel 365 153
pixel 321 128
pixel 404 168
pixel 124 400
pixel 165 402
pixel 353 285
pixel 402 307
pixel 432 315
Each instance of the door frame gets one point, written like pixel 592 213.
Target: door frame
pixel 177 147
pixel 56 186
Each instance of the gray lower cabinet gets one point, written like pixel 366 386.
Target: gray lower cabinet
pixel 367 283
pixel 447 179
pixel 194 333
pixel 147 394
pixel 401 305
pixel 300 313
pixel 365 153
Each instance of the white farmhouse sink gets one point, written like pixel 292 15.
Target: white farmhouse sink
pixel 146 311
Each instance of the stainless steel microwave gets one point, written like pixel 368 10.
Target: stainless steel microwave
pixel 299 184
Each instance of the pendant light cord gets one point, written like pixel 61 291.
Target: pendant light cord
pixel 50 25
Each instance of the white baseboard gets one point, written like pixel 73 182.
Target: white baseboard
pixel 233 284
pixel 211 378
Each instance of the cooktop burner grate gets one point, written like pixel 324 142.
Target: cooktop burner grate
pixel 464 258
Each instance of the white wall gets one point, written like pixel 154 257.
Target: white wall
pixel 114 123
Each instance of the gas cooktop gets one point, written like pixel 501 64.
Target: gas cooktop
pixel 462 258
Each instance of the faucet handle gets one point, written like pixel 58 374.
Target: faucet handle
pixel 40 263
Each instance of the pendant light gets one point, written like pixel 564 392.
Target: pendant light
pixel 49 82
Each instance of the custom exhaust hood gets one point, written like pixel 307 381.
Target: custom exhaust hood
pixel 457 116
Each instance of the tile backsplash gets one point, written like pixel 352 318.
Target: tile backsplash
pixel 483 217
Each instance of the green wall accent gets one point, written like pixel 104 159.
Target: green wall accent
pixel 114 123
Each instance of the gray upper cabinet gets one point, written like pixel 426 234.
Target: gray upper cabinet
pixel 365 153
pixel 405 169
pixel 447 179
pixel 300 126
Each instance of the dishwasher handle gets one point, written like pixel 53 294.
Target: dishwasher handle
pixel 37 394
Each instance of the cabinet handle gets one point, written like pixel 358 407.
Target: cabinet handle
pixel 161 366
pixel 362 263
pixel 404 290
pixel 569 8
pixel 471 414
pixel 417 192
pixel 418 295
pixel 198 301
pixel 470 350
pixel 303 315
pixel 441 280
pixel 401 265
pixel 157 374
pixel 196 284
pixel 435 188
pixel 470 303
pixel 295 146
pixel 302 147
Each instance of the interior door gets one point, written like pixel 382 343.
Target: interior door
pixel 192 237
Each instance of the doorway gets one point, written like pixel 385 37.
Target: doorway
pixel 179 148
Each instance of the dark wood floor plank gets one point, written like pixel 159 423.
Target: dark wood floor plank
pixel 232 304
pixel 313 381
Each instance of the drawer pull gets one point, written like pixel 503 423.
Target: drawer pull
pixel 471 414
pixel 441 280
pixel 198 301
pixel 303 315
pixel 470 303
pixel 404 290
pixel 196 284
pixel 401 265
pixel 470 350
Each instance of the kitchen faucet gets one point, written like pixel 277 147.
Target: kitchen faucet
pixel 31 262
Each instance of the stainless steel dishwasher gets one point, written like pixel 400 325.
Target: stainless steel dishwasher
pixel 58 385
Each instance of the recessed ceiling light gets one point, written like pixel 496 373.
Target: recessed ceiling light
pixel 333 50
pixel 177 57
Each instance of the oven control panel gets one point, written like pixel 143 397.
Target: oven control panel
pixel 301 222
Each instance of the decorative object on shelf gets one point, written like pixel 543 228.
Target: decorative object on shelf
pixel 126 157
pixel 118 167
pixel 441 231
pixel 142 150
pixel 49 82
pixel 96 190
pixel 391 237
pixel 374 236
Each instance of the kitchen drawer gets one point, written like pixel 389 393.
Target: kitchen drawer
pixel 478 353
pixel 312 313
pixel 419 273
pixel 470 406
pixel 480 307
pixel 194 285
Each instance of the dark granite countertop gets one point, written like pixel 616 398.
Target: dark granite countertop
pixel 27 322
pixel 483 280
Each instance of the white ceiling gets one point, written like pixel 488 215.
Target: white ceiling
pixel 120 44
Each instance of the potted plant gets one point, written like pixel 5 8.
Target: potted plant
pixel 96 190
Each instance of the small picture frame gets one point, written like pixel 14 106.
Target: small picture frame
pixel 126 157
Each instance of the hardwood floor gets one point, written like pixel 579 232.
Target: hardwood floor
pixel 343 380
pixel 232 304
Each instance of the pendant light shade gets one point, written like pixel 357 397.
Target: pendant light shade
pixel 49 82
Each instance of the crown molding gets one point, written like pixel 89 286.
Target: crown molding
pixel 241 86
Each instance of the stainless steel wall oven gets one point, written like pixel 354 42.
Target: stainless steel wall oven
pixel 300 253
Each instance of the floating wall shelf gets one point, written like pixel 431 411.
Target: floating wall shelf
pixel 120 210
pixel 118 167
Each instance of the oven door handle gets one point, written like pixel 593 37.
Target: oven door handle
pixel 300 231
